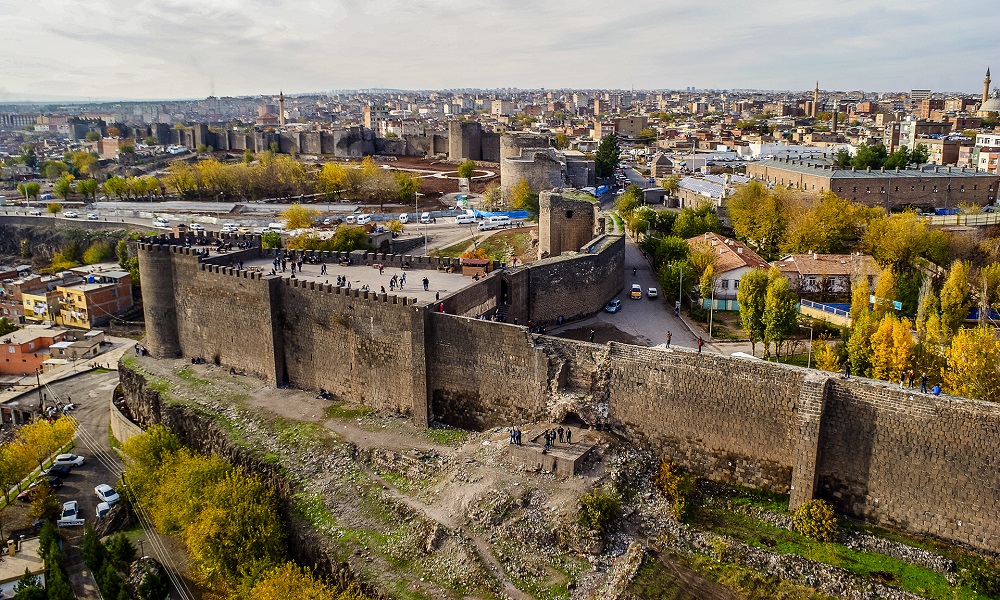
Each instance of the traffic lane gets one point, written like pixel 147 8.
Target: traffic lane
pixel 650 319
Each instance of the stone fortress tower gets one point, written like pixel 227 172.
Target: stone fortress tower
pixel 530 156
pixel 565 224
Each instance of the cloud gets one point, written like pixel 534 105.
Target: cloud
pixel 175 48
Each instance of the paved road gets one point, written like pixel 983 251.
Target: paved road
pixel 648 320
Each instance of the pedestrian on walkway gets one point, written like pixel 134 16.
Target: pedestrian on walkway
pixel 591 335
pixel 669 335
pixel 569 435
pixel 701 342
pixel 560 431
pixel 847 369
pixel 426 282
pixel 923 382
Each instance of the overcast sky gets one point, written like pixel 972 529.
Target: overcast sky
pixel 194 48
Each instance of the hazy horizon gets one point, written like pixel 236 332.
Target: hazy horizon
pixel 182 49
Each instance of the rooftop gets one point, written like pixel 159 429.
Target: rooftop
pixel 826 264
pixel 826 169
pixel 732 254
pixel 30 333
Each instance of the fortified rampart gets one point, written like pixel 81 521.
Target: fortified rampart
pixel 924 464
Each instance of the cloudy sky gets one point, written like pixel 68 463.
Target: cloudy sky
pixel 194 48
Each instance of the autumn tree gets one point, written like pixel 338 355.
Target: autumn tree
pixel 891 348
pixel 974 364
pixel 83 162
pixel 333 180
pixel 780 314
pixel 407 185
pixel 955 298
pixel 523 198
pixel 297 216
pixel 693 221
pixel 64 187
pixel 824 356
pixel 291 581
pixel 115 186
pixel 671 184
pixel 752 298
pixel 466 169
pixel 825 225
pixel 885 292
pixel 759 216
pixel 898 239
pixel 859 345
pixel 860 293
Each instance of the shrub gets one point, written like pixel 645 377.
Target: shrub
pixel 598 509
pixel 98 252
pixel 677 485
pixel 271 239
pixel 815 520
pixel 53 208
pixel 466 169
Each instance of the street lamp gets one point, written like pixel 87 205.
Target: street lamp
pixel 809 360
pixel 680 287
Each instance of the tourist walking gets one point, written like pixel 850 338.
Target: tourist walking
pixel 923 382
pixel 701 342
pixel 847 369
pixel 669 335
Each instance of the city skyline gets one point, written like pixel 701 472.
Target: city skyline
pixel 183 49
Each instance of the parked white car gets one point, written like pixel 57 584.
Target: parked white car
pixel 70 460
pixel 197 227
pixel 103 508
pixel 70 511
pixel 107 494
pixel 161 223
pixel 71 214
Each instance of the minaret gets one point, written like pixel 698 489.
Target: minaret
pixel 986 86
pixel 281 108
pixel 836 107
pixel 816 100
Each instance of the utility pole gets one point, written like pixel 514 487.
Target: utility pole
pixel 41 399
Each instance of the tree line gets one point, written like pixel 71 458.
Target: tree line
pixel 227 518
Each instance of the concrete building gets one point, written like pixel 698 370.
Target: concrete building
pixel 926 187
pixel 95 300
pixel 26 349
pixel 502 107
pixel 12 296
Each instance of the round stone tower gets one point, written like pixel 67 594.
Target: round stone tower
pixel 156 271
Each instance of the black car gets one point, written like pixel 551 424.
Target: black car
pixel 59 471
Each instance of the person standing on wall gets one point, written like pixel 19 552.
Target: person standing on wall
pixel 669 335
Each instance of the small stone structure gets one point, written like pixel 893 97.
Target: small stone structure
pixel 562 459
pixel 564 224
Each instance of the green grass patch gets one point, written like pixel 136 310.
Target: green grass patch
pixel 578 195
pixel 310 508
pixel 654 581
pixel 100 370
pixel 340 410
pixel 502 246
pixel 189 376
pixel 454 251
pixel 300 433
pixel 447 436
pixel 866 564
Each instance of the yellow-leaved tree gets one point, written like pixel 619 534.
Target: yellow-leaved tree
pixel 291 581
pixel 885 292
pixel 824 355
pixel 974 364
pixel 297 216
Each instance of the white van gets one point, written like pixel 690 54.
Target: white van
pixel 404 219
pixel 276 226
pixel 500 220
pixel 350 219
pixel 465 219
pixel 425 218
pixel 486 224
pixel 364 219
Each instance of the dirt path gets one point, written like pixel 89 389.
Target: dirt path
pixel 444 518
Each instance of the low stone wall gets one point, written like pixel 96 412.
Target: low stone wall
pixel 121 427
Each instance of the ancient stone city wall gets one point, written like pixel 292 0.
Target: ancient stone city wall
pixel 924 464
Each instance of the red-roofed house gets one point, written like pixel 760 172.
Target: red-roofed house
pixel 733 260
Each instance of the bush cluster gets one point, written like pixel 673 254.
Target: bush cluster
pixel 815 520
pixel 598 509
pixel 677 485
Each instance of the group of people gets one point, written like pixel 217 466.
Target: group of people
pixel 906 381
pixel 551 435
pixel 140 350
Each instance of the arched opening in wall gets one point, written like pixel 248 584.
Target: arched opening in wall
pixel 573 420
pixel 504 292
pixel 569 214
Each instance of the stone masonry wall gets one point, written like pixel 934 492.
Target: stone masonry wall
pixel 575 286
pixel 918 462
pixel 482 374
pixel 355 344
pixel 921 463
pixel 731 423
